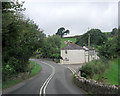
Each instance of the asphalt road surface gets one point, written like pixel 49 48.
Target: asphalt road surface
pixel 53 79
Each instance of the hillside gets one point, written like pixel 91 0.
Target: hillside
pixel 66 39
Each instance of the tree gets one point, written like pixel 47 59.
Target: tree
pixel 110 49
pixel 20 37
pixel 50 48
pixel 61 32
pixel 96 38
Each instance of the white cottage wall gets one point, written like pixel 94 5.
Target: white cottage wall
pixel 72 56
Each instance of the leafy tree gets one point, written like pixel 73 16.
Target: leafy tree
pixel 110 49
pixel 61 32
pixel 96 38
pixel 21 37
pixel 50 48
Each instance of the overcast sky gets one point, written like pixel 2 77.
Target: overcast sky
pixel 74 15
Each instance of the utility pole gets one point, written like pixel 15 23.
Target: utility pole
pixel 89 47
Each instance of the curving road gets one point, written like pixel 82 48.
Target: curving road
pixel 53 79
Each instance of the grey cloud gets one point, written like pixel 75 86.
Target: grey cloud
pixel 76 17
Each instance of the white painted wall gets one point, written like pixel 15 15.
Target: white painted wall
pixel 76 56
pixel 72 56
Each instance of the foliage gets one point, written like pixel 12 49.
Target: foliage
pixel 96 38
pixel 35 69
pixel 114 32
pixel 21 37
pixel 50 48
pixel 94 67
pixel 66 39
pixel 110 49
pixel 61 32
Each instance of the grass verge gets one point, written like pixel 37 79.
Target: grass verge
pixel 112 73
pixel 35 70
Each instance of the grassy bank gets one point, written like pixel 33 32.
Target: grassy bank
pixel 35 70
pixel 66 39
pixel 109 72
pixel 112 72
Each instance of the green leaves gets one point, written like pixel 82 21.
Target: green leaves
pixel 21 37
pixel 50 48
pixel 94 67
pixel 96 38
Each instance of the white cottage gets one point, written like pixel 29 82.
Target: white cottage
pixel 74 54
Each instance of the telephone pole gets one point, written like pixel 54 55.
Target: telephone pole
pixel 89 47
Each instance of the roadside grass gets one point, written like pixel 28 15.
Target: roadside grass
pixel 112 73
pixel 11 83
pixel 35 70
pixel 66 39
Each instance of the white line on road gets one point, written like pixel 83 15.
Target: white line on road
pixel 47 80
pixel 71 69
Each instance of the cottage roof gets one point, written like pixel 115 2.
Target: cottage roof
pixel 71 46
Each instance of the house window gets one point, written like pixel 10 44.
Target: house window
pixel 65 51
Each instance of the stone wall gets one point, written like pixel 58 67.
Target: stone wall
pixel 90 85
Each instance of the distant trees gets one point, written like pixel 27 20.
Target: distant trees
pixel 61 32
pixel 96 38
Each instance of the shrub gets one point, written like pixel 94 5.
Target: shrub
pixel 94 67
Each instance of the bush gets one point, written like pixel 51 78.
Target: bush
pixel 94 67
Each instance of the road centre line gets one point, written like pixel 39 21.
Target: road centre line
pixel 44 86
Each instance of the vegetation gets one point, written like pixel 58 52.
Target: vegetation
pixel 35 69
pixel 50 48
pixel 102 71
pixel 66 39
pixel 61 32
pixel 97 38
pixel 94 67
pixel 112 73
pixel 107 44
pixel 110 49
pixel 21 37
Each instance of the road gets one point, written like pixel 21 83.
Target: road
pixel 53 79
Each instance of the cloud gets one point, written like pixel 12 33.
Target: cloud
pixel 75 16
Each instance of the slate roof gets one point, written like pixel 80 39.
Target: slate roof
pixel 71 46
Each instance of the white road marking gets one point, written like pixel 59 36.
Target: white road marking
pixel 71 69
pixel 44 86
